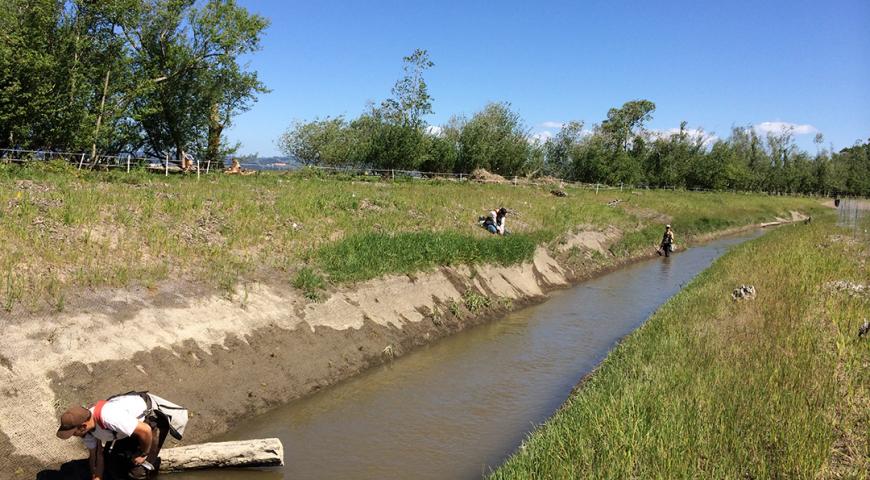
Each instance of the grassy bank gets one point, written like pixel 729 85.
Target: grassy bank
pixel 709 387
pixel 65 230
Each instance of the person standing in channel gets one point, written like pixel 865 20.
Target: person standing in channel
pixel 668 241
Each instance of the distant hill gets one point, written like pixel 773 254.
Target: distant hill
pixel 270 163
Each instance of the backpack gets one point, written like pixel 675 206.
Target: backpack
pixel 176 415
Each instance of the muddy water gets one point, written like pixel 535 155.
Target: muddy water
pixel 458 408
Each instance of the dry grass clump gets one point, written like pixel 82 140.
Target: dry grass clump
pixel 483 176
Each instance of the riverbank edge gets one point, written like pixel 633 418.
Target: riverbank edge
pixel 843 458
pixel 290 362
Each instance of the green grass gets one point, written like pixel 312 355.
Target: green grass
pixel 776 387
pixel 64 229
pixel 371 255
pixel 696 214
pixel 310 283
pixel 475 302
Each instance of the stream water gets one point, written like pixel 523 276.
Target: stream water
pixel 458 408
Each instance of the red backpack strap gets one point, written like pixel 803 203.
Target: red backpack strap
pixel 98 410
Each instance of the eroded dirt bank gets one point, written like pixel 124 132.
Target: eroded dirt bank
pixel 228 359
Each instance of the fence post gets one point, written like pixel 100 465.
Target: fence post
pixel 596 189
pixel 128 163
pixel 81 161
pixel 197 168
pixel 166 167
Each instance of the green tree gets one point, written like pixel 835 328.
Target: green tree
pixel 191 56
pixel 441 153
pixel 392 135
pixel 385 143
pixel 223 31
pixel 679 159
pixel 411 100
pixel 560 151
pixel 621 130
pixel 494 139
pixel 851 169
pixel 28 62
pixel 591 158
pixel 319 142
pixel 626 122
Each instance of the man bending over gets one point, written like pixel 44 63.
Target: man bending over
pixel 126 432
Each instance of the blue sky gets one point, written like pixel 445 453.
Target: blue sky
pixel 713 64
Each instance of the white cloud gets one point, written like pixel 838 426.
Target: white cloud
pixel 542 136
pixel 551 124
pixel 693 133
pixel 783 127
pixel 434 130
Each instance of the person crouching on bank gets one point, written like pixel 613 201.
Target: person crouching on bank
pixel 124 433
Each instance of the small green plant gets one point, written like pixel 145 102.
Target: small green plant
pixel 55 292
pixel 13 293
pixel 310 283
pixel 455 308
pixel 475 302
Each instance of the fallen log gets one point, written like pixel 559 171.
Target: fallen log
pixel 266 452
pixel 770 224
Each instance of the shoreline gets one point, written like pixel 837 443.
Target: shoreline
pixel 355 329
pixel 705 349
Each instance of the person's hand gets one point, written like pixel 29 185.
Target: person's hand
pixel 139 460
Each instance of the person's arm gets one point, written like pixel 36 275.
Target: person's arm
pixel 95 459
pixel 143 434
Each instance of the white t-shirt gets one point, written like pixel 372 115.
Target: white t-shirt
pixel 120 415
pixel 499 223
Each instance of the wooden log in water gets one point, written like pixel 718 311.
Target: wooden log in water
pixel 265 452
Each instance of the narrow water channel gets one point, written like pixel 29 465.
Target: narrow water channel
pixel 458 408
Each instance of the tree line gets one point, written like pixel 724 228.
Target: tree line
pixel 164 78
pixel 393 134
pixel 161 77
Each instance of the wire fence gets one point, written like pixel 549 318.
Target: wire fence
pixel 854 214
pixel 126 162
pixel 516 180
pixel 166 165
